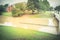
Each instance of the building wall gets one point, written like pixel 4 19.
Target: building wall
pixel 9 8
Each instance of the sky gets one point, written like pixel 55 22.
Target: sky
pixel 53 3
pixel 11 1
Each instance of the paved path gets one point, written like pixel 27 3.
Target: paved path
pixel 39 24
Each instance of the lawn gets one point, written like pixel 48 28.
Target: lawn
pixel 46 14
pixel 7 14
pixel 14 33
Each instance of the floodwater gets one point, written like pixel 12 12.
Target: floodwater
pixel 49 25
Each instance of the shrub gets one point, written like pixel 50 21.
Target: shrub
pixel 17 12
pixel 28 11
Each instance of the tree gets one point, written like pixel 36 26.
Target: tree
pixel 1 9
pixel 21 6
pixel 33 4
pixel 57 8
pixel 38 4
pixel 46 5
pixel 5 6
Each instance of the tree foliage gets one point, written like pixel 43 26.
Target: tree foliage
pixel 6 5
pixel 46 5
pixel 3 8
pixel 16 12
pixel 57 8
pixel 38 4
pixel 21 6
pixel 51 9
pixel 33 4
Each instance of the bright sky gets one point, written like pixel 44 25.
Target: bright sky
pixel 11 1
pixel 52 2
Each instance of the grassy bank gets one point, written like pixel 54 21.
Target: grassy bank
pixel 11 33
pixel 6 14
pixel 46 14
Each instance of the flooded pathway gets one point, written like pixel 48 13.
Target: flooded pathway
pixel 39 24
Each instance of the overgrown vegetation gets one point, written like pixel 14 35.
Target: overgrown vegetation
pixel 38 4
pixel 17 12
pixel 32 7
pixel 21 6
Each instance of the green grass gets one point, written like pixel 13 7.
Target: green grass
pixel 42 15
pixel 13 33
pixel 7 14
